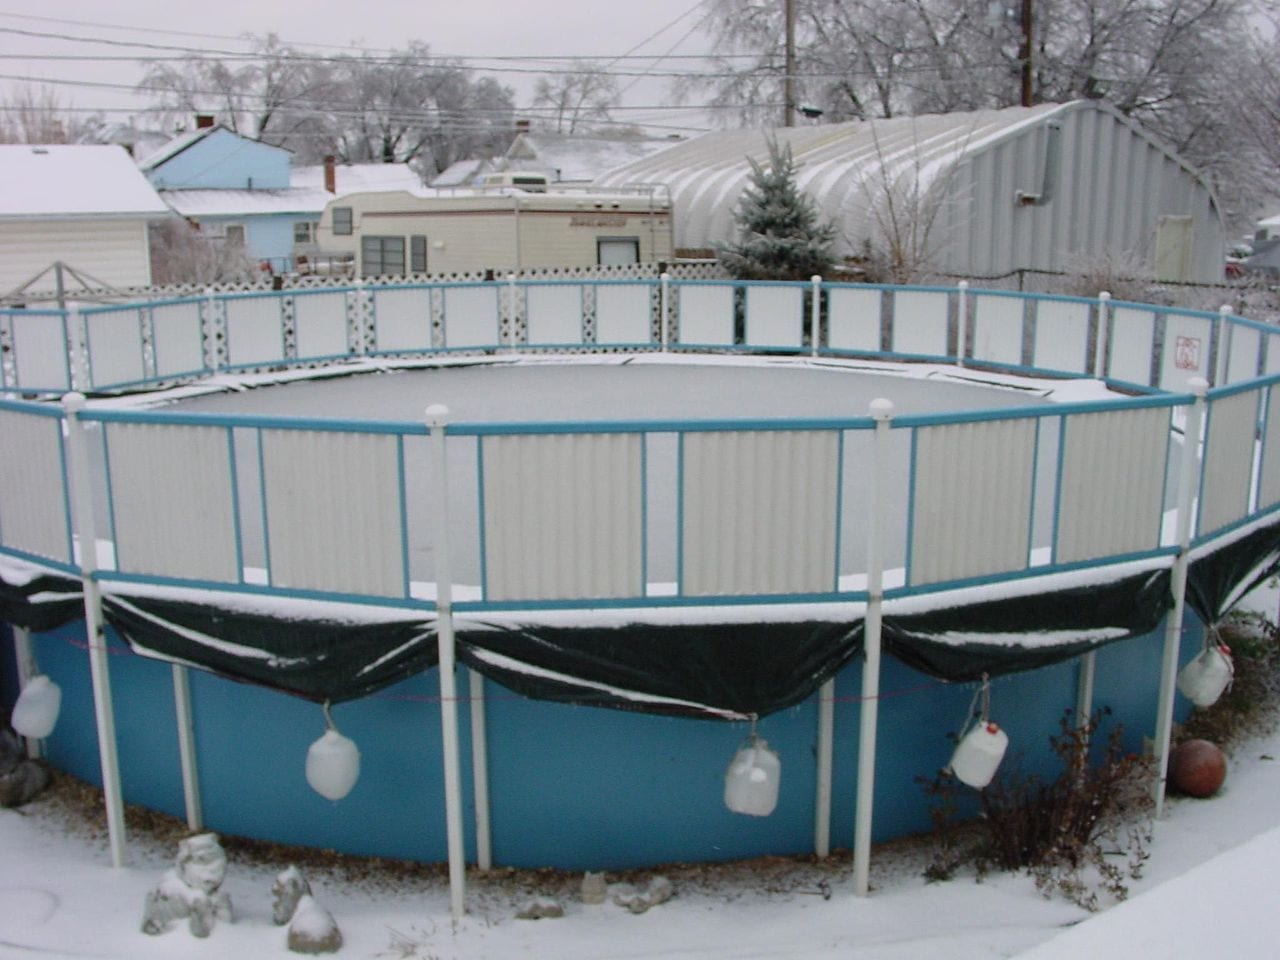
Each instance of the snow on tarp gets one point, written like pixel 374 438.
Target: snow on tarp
pixel 709 661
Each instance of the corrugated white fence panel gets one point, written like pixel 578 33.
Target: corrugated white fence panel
pixel 401 319
pixel 172 505
pixel 176 339
pixel 1062 336
pixel 320 324
pixel 471 316
pixel 1228 460
pixel 920 322
pixel 706 315
pixel 1111 483
pixel 333 509
pixel 1132 339
pixel 40 352
pixel 1242 361
pixel 997 329
pixel 255 331
pixel 972 499
pixel 1269 481
pixel 759 512
pixel 775 316
pixel 623 313
pixel 115 347
pixel 554 314
pixel 563 516
pixel 33 507
pixel 1186 351
pixel 853 320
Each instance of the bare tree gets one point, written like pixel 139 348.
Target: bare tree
pixel 575 99
pixel 37 115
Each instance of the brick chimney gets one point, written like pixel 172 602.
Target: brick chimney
pixel 330 174
pixel 204 121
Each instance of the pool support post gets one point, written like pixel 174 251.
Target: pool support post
pixel 95 630
pixel 882 413
pixel 480 771
pixel 437 417
pixel 826 750
pixel 187 748
pixel 1188 482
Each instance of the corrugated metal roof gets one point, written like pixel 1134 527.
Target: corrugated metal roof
pixel 838 165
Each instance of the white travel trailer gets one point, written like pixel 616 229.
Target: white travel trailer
pixel 500 227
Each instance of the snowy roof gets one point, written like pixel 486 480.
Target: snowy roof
pixel 577 158
pixel 175 146
pixel 247 203
pixel 706 175
pixel 65 180
pixel 462 173
pixel 359 177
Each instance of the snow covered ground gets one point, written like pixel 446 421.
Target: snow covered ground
pixel 1208 889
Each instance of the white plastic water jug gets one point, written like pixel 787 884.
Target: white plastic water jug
pixel 1203 680
pixel 36 711
pixel 978 754
pixel 333 765
pixel 751 782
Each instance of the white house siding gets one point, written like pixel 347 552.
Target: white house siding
pixel 114 252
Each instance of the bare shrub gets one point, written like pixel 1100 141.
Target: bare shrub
pixel 1065 832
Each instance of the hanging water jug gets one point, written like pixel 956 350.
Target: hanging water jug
pixel 333 765
pixel 36 711
pixel 978 754
pixel 1203 680
pixel 751 782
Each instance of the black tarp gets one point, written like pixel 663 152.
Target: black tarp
pixel 747 664
pixel 319 659
pixel 955 642
pixel 1217 580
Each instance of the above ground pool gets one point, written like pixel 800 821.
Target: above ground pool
pixel 653 520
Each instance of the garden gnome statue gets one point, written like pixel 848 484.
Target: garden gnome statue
pixel 190 890
pixel 312 928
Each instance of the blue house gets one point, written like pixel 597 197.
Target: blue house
pixel 248 195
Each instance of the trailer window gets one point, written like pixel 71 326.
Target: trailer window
pixel 342 221
pixel 617 251
pixel 381 256
pixel 418 254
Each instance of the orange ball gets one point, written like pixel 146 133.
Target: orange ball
pixel 1197 768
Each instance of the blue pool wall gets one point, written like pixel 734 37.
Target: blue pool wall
pixel 573 787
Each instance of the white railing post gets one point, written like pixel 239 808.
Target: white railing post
pixel 187 748
pixel 1188 480
pixel 1225 331
pixel 437 417
pixel 962 325
pixel 27 668
pixel 826 751
pixel 1100 343
pixel 882 413
pixel 480 771
pixel 104 713
pixel 78 368
pixel 358 323
pixel 511 311
pixel 664 310
pixel 815 315
pixel 211 329
pixel 1084 688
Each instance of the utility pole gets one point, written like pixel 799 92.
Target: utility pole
pixel 788 80
pixel 1028 92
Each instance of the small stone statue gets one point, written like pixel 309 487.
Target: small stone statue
pixel 190 891
pixel 21 779
pixel 312 928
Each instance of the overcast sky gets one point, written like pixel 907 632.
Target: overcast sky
pixel 474 29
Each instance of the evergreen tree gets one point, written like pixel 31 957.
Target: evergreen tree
pixel 780 234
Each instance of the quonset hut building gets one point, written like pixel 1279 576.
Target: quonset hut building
pixel 980 194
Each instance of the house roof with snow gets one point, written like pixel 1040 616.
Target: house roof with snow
pixel 305 196
pixel 577 159
pixel 72 181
